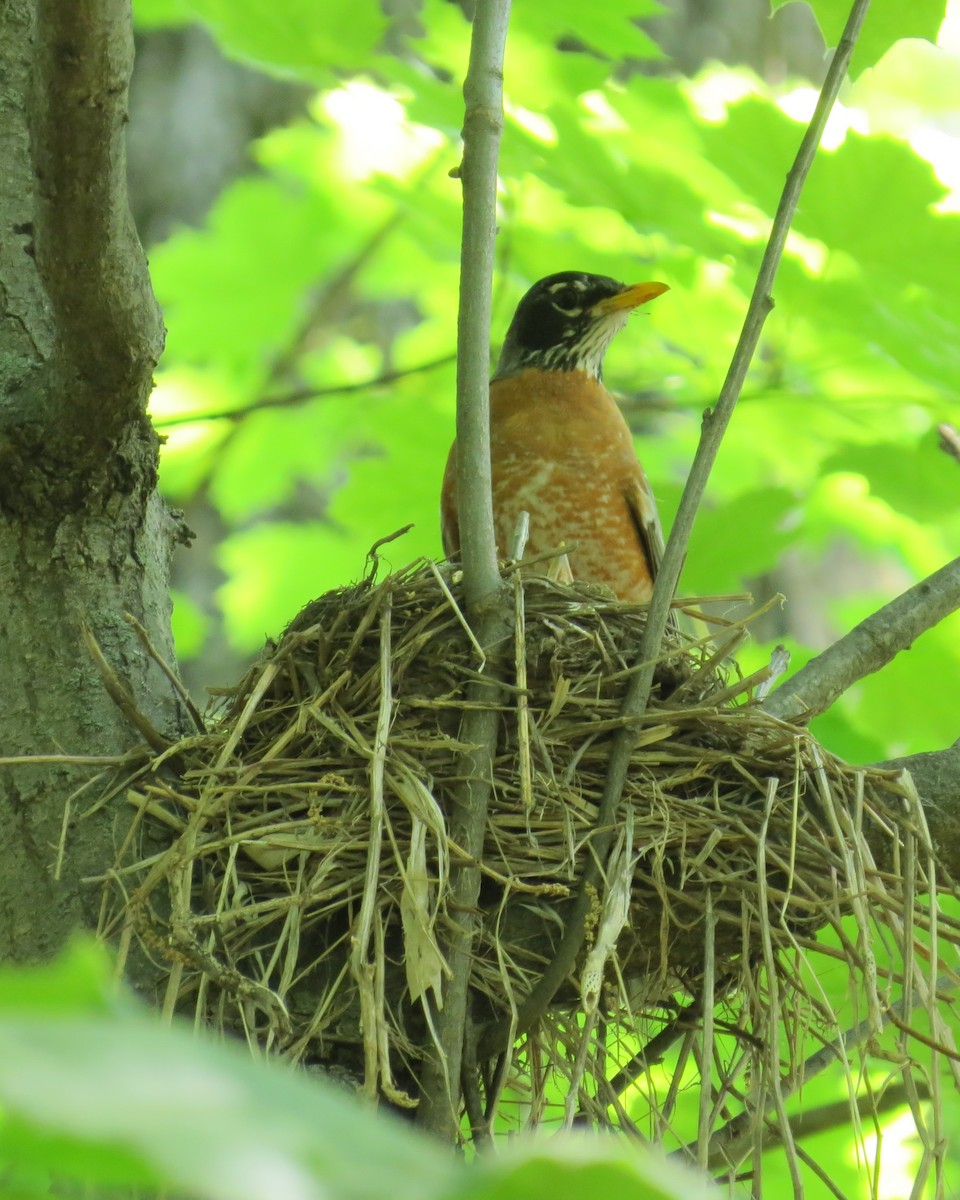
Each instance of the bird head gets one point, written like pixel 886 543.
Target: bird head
pixel 567 321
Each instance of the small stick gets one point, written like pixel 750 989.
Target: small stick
pixel 170 673
pixel 761 680
pixel 121 695
pixel 74 760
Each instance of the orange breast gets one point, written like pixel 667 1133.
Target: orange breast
pixel 562 452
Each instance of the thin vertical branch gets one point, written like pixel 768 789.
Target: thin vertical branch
pixel 483 124
pixel 714 426
pixel 715 422
pixel 488 608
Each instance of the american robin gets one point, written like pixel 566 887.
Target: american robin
pixel 560 448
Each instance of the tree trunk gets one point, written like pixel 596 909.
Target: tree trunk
pixel 84 536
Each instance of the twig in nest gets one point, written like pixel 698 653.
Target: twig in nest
pixel 176 683
pixel 457 612
pixel 732 1142
pixel 373 557
pixel 75 760
pixel 364 967
pixel 121 695
pixel 708 991
pixel 653 1052
pixel 760 681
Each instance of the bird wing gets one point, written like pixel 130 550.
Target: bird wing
pixel 646 519
pixel 449 513
pixel 643 511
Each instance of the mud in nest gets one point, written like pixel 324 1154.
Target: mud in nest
pixel 302 902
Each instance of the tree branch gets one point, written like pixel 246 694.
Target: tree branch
pixel 301 395
pixel 487 609
pixel 714 426
pixel 483 124
pixel 936 775
pixel 88 254
pixel 867 648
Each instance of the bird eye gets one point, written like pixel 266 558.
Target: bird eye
pixel 566 299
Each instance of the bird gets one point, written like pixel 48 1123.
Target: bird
pixel 560 448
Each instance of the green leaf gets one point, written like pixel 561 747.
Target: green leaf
pixel 886 218
pixel 731 147
pixel 273 450
pixel 272 572
pixel 863 322
pixel 577 1167
pixel 121 1099
pixel 80 980
pixel 157 14
pixel 293 37
pixel 738 539
pixel 917 480
pixel 611 29
pixel 640 158
pixel 887 21
pixel 401 483
pixel 389 451
pixel 234 292
pixel 915 82
pixel 37 1158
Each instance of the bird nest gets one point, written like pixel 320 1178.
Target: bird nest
pixel 303 902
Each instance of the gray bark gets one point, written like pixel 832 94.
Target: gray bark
pixel 937 778
pixel 84 536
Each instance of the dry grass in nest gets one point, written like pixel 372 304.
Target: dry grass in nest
pixel 305 886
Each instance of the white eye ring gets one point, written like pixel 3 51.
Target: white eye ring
pixel 570 298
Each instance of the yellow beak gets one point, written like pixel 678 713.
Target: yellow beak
pixel 631 297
